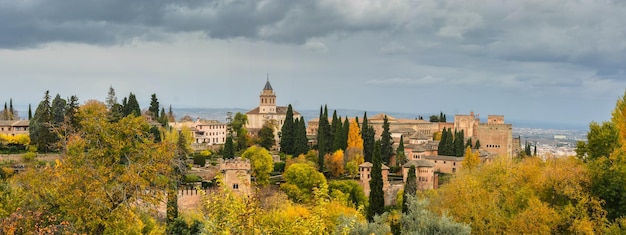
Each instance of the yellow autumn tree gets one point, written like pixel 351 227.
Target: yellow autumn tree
pixel 354 136
pixel 112 173
pixel 470 159
pixel 531 196
pixel 334 163
pixel 354 153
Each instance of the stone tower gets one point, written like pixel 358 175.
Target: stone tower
pixel 365 171
pixel 267 99
pixel 236 173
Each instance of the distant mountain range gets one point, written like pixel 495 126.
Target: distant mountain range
pixel 221 113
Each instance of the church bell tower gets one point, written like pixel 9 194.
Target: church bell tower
pixel 267 99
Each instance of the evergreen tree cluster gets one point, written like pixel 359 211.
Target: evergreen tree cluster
pixel 9 113
pixel 452 143
pixel 58 117
pixel 528 150
pixel 293 139
pixel 53 119
pixel 435 118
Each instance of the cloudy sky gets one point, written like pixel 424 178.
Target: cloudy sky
pixel 537 60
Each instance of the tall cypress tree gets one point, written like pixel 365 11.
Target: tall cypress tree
pixel 323 141
pixel 339 136
pixel 401 157
pixel 344 135
pixel 410 188
pixel 301 141
pixel 477 145
pixel 442 143
pixel 367 134
pixel 12 113
pixel 386 149
pixel 335 126
pixel 377 196
pixel 287 138
pixel 229 148
pixel 449 144
pixel 30 112
pixel 459 149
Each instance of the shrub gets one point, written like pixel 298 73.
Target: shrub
pixel 27 157
pixel 279 167
pixel 192 178
pixel 199 160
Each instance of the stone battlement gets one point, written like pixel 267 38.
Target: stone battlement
pixel 495 125
pixel 234 164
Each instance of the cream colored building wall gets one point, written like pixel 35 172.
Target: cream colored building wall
pixel 447 166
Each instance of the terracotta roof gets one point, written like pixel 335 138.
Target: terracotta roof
pixel 369 164
pixel 14 122
pixel 418 163
pixel 381 116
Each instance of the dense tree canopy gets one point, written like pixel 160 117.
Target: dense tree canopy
pixel 261 162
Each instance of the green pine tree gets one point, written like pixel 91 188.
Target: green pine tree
pixel 132 106
pixel 39 128
pixel 477 145
pixel 377 196
pixel 410 189
pixel 154 107
pixel 71 112
pixel 57 110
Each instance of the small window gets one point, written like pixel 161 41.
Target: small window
pixel 235 186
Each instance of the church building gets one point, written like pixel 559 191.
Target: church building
pixel 268 111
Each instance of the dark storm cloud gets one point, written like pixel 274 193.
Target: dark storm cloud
pixel 30 23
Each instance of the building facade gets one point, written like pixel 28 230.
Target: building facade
pixel 268 112
pixel 14 127
pixel 236 175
